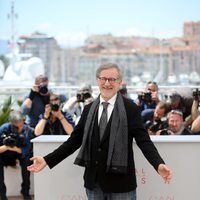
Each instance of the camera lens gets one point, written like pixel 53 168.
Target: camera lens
pixel 43 89
pixel 55 107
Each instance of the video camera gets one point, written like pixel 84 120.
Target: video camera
pixel 82 96
pixel 145 96
pixel 196 93
pixel 13 139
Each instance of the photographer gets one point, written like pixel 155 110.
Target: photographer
pixel 75 105
pixel 34 104
pixel 182 103
pixel 149 98
pixel 154 119
pixel 175 124
pixel 15 145
pixel 54 121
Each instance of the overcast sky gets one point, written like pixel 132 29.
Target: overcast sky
pixel 73 21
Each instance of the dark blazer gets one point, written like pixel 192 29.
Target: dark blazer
pixel 109 181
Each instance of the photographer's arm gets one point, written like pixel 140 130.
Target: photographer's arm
pixel 66 125
pixel 39 129
pixel 194 109
pixel 3 148
pixel 155 97
pixel 28 102
pixel 15 149
pixel 196 125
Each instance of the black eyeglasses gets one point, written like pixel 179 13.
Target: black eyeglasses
pixel 110 80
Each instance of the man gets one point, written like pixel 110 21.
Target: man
pixel 182 103
pixel 54 121
pixel 106 153
pixel 149 98
pixel 175 124
pixel 155 119
pixel 75 104
pixel 34 105
pixel 14 145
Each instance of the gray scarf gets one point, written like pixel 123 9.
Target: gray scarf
pixel 118 142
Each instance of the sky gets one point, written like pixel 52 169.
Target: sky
pixel 71 22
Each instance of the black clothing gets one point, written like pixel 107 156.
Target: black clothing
pixel 109 181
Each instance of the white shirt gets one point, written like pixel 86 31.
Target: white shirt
pixel 109 109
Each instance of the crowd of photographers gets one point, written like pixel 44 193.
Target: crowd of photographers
pixel 48 113
pixel 175 114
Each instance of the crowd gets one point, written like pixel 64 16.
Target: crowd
pixel 45 113
pixel 175 115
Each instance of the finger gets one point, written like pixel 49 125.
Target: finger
pixel 30 168
pixel 32 158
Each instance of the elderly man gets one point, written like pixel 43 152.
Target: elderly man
pixel 175 124
pixel 105 134
pixel 14 145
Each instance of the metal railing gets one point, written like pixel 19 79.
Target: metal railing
pixel 18 92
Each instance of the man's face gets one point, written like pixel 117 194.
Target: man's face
pixel 175 122
pixel 41 82
pixel 151 88
pixel 18 126
pixel 175 104
pixel 159 113
pixel 108 83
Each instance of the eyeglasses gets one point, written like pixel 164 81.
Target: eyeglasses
pixel 110 80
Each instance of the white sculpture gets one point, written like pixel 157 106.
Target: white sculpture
pixel 24 70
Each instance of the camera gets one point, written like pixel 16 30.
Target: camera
pixel 55 106
pixel 152 126
pixel 43 89
pixel 196 93
pixel 82 96
pixel 12 139
pixel 164 132
pixel 145 96
pixel 155 125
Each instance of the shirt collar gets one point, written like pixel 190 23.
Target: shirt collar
pixel 110 101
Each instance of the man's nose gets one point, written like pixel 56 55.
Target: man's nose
pixel 107 82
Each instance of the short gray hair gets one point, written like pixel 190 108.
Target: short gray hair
pixel 109 66
pixel 40 78
pixel 16 116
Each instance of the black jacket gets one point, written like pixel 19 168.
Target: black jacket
pixel 109 182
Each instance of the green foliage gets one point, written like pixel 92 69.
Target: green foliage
pixel 5 109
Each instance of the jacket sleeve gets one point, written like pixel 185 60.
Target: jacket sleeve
pixel 139 133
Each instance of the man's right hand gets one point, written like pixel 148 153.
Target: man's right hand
pixel 35 88
pixel 38 164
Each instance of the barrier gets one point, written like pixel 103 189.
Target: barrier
pixel 181 153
